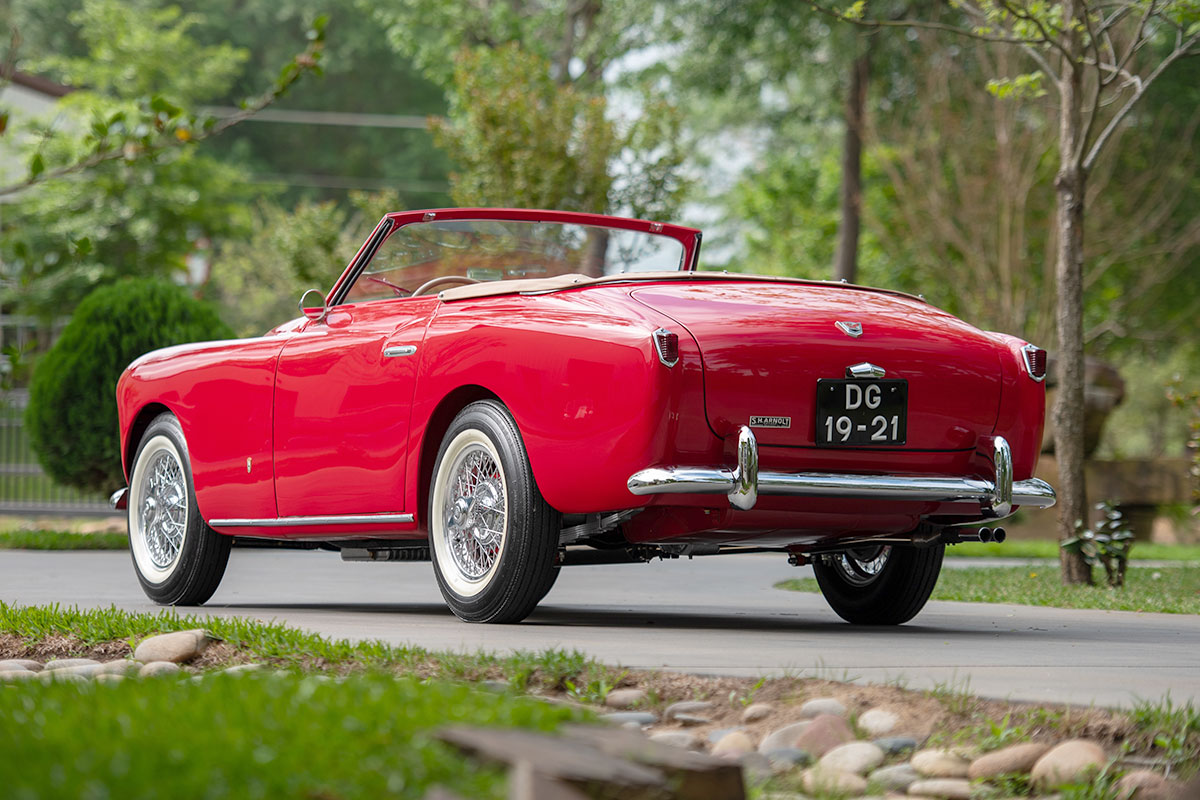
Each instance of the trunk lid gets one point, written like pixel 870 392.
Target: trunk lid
pixel 765 346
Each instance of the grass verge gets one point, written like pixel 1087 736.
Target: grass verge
pixel 284 646
pixel 62 540
pixel 1170 590
pixel 1048 548
pixel 251 736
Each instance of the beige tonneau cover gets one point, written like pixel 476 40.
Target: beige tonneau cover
pixel 560 282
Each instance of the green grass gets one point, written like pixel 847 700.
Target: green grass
pixel 1048 548
pixel 251 736
pixel 1176 590
pixel 62 540
pixel 288 646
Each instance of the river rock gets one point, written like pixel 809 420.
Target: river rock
pixel 718 734
pixel 108 677
pixel 688 741
pixel 14 675
pixel 826 782
pixel 823 734
pixel 940 764
pixel 896 778
pixel 121 666
pixel 625 698
pixel 176 647
pixel 239 669
pixel 1017 758
pixel 895 745
pixel 692 719
pixel 858 758
pixel 630 718
pixel 822 705
pixel 949 788
pixel 1142 784
pixel 28 664
pixel 68 663
pixel 734 744
pixel 686 707
pixel 157 668
pixel 61 675
pixel 783 738
pixel 756 712
pixel 785 760
pixel 1067 762
pixel 878 722
pixel 86 670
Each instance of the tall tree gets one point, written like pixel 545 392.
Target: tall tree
pixel 529 121
pixel 114 182
pixel 1100 58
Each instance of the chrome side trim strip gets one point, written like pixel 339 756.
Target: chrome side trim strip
pixel 283 522
pixel 996 498
pixel 399 350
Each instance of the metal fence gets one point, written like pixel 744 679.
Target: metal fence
pixel 24 487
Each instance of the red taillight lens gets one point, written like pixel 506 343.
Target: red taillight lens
pixel 1035 362
pixel 667 346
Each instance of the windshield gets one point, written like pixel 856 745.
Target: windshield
pixel 495 250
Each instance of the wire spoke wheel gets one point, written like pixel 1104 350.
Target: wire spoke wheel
pixel 493 538
pixel 179 560
pixel 163 510
pixel 862 566
pixel 475 512
pixel 879 584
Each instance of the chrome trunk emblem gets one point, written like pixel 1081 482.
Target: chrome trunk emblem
pixel 853 329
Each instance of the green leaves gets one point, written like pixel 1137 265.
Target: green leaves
pixel 1024 86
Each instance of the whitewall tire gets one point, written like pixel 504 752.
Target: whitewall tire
pixel 493 538
pixel 179 560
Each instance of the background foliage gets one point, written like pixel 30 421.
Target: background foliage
pixel 72 414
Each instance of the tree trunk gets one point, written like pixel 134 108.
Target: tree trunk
pixel 1069 184
pixel 845 259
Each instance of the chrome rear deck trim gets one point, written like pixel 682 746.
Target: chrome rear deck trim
pixel 745 482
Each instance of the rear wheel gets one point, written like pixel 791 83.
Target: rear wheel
pixel 179 559
pixel 493 538
pixel 880 585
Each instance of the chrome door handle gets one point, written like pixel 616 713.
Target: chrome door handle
pixel 399 350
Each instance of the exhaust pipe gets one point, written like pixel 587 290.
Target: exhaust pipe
pixel 996 535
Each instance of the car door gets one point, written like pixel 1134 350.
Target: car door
pixel 343 397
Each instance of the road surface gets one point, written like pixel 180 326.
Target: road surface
pixel 715 615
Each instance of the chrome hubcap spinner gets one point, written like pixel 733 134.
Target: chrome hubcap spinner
pixel 475 513
pixel 163 511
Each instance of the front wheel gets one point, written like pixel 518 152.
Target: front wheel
pixel 880 585
pixel 179 559
pixel 493 538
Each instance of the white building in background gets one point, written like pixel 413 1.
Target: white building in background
pixel 23 97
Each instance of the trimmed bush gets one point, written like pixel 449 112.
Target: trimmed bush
pixel 72 414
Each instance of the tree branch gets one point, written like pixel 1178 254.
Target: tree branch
pixel 299 65
pixel 1181 49
pixel 922 25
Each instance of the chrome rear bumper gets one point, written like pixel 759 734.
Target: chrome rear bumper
pixel 744 483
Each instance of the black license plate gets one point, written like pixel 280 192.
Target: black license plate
pixel 861 413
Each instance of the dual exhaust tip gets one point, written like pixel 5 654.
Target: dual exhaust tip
pixel 996 535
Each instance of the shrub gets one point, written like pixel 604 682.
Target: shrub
pixel 72 414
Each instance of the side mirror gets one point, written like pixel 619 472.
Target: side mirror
pixel 316 310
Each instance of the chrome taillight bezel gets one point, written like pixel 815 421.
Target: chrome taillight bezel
pixel 663 346
pixel 1028 354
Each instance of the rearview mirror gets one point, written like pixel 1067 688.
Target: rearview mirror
pixel 314 310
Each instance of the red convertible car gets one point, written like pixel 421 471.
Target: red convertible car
pixel 504 392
